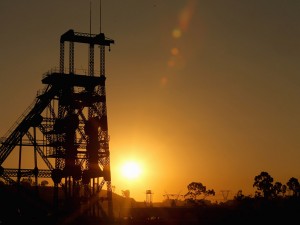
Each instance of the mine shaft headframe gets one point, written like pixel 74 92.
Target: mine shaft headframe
pixel 86 38
pixel 95 39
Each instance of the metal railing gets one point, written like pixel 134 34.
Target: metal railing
pixel 67 71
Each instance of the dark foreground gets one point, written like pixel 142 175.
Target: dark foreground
pixel 15 210
pixel 253 211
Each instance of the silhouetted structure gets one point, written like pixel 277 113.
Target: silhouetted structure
pixel 172 198
pixel 225 194
pixel 149 195
pixel 67 127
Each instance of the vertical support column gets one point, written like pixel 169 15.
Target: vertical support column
pixel 91 60
pixel 91 72
pixel 102 60
pixel 104 137
pixel 58 161
pixel 62 57
pixel 19 175
pixel 36 171
pixel 91 165
pixel 71 57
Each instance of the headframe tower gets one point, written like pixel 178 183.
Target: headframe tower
pixel 82 118
pixel 67 127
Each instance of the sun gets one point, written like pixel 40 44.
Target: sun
pixel 131 170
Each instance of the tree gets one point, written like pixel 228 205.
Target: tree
pixel 279 189
pixel 126 193
pixel 196 189
pixel 239 195
pixel 283 188
pixel 44 183
pixel 294 186
pixel 26 182
pixel 264 184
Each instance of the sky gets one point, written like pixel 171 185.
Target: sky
pixel 197 90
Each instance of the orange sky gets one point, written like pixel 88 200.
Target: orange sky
pixel 204 91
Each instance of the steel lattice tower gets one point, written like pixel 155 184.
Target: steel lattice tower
pixel 67 127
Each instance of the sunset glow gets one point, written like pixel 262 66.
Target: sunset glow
pixel 131 170
pixel 195 91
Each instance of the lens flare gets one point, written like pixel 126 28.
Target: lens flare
pixel 177 60
pixel 176 33
pixel 186 14
pixel 175 51
pixel 164 81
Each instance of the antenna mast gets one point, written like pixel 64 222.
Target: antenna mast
pixel 100 16
pixel 90 18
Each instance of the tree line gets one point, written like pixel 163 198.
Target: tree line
pixel 264 184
